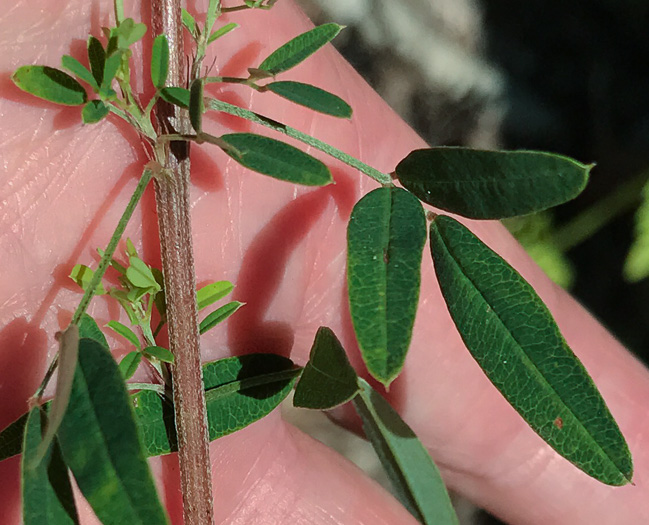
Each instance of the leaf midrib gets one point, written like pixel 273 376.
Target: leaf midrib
pixel 534 366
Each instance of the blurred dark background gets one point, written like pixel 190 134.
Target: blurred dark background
pixel 567 77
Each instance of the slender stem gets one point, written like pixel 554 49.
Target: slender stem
pixel 377 175
pixel 101 269
pixel 172 202
pixel 232 80
pixel 594 218
pixel 160 389
pixel 235 8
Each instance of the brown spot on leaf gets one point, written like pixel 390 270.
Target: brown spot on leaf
pixel 558 423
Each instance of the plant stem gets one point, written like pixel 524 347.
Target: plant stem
pixel 219 105
pixel 172 202
pixel 101 268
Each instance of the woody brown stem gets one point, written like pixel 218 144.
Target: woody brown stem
pixel 172 202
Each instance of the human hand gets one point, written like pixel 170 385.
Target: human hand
pixel 283 246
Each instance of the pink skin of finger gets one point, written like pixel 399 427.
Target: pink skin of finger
pixel 284 248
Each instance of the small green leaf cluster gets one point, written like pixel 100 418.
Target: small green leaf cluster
pixel 140 291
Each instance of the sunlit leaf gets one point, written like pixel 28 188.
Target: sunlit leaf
pixel 76 67
pixel 50 84
pixel 221 31
pixel 328 380
pixel 94 111
pixel 299 49
pixel 491 184
pixel 636 265
pixel 512 336
pixel 129 364
pixel 46 490
pixel 159 352
pixel 213 11
pixel 139 274
pixel 189 22
pixel 101 446
pixel 128 32
pixel 414 475
pixel 536 234
pixel 159 61
pixel 125 332
pixel 312 97
pixel 277 159
pixel 385 241
pixel 210 293
pixel 240 391
pixel 219 315
pixel 82 275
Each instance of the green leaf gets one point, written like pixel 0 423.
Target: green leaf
pixel 119 11
pixel 196 106
pixel 139 274
pixel 50 84
pixel 176 95
pixel 221 31
pixel 312 97
pixel 89 329
pixel 125 332
pixel 219 315
pixel 328 380
pixel 131 250
pixel 277 159
pixel 385 241
pixel 512 336
pixel 94 111
pixel 129 363
pixel 159 352
pixel 210 293
pixel 416 479
pixel 110 70
pixel 128 32
pixel 97 59
pixel 76 67
pixel 240 391
pixel 46 491
pixel 247 388
pixel 159 61
pixel 101 446
pixel 636 265
pixel 299 49
pixel 189 22
pixel 213 12
pixel 82 275
pixel 491 184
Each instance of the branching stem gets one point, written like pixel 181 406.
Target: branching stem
pixel 101 269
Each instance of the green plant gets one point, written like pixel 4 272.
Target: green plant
pixel 386 237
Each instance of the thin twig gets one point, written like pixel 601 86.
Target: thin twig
pixel 172 201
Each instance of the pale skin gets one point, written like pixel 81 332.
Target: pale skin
pixel 65 185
